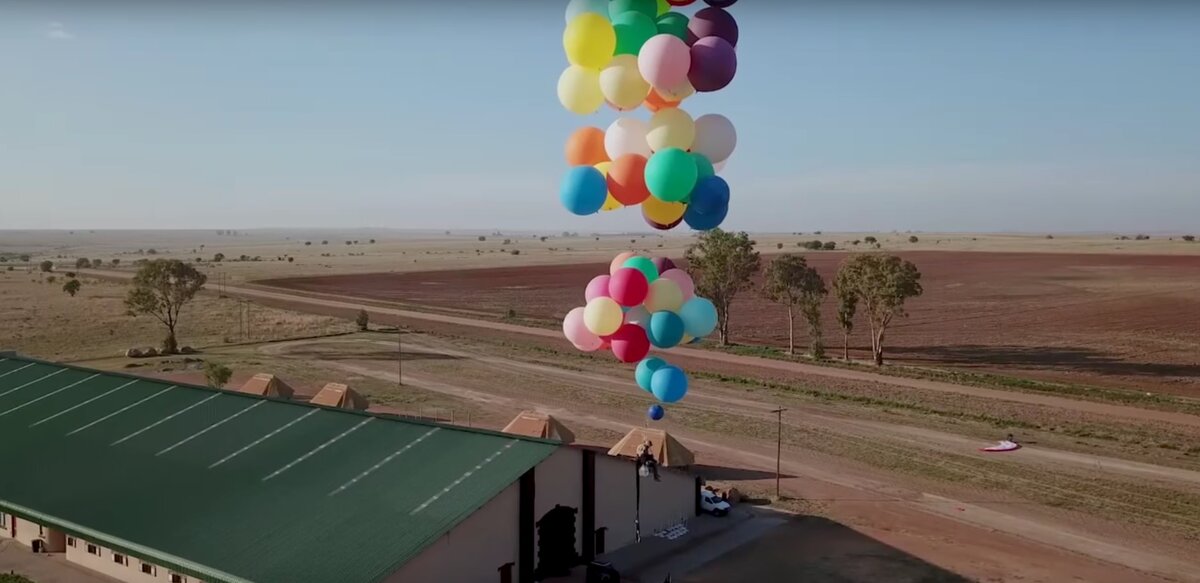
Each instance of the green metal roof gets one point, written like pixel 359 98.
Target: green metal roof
pixel 237 488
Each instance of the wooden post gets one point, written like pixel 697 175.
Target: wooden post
pixel 778 449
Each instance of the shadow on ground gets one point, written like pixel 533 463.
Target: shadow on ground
pixel 728 473
pixel 344 353
pixel 817 550
pixel 1071 358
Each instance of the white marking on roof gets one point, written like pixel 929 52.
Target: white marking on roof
pixel 381 463
pixel 262 439
pixel 13 390
pixel 123 409
pixel 74 407
pixel 47 395
pixel 318 448
pixel 460 479
pixel 164 420
pixel 211 427
pixel 18 369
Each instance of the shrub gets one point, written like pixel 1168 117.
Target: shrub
pixel 482 238
pixel 51 279
pixel 813 245
pixel 372 241
pixel 24 258
pixel 1049 236
pixel 72 287
pixel 46 266
pixel 324 242
pixel 151 252
pixel 777 245
pixel 870 240
pixel 116 262
pixel 829 246
pixel 219 257
pixel 83 263
pixel 70 274
pixel 913 239
pixel 216 374
pixel 855 242
pixel 1142 237
pixel 308 243
pixel 1189 238
pixel 363 320
pixel 291 259
pixel 516 251
pixel 507 242
pixel 10 268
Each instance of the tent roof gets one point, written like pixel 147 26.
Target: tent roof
pixel 267 385
pixel 537 424
pixel 667 450
pixel 341 396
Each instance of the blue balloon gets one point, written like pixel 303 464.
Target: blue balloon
pixel 665 329
pixel 699 317
pixel 705 221
pixel 656 412
pixel 669 384
pixel 645 370
pixel 583 190
pixel 710 195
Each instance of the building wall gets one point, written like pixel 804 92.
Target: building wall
pixel 27 531
pixel 5 525
pixel 664 503
pixel 104 563
pixel 560 482
pixel 473 551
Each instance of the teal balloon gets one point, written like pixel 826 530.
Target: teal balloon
pixel 665 330
pixel 669 384
pixel 647 8
pixel 671 174
pixel 645 369
pixel 704 167
pixel 583 190
pixel 644 265
pixel 699 317
pixel 674 24
pixel 633 30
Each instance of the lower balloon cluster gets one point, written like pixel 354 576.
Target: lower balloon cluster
pixel 642 303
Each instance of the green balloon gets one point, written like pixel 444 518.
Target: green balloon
pixel 674 24
pixel 671 174
pixel 648 8
pixel 633 30
pixel 644 265
pixel 704 168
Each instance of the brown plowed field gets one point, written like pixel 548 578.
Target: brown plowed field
pixel 1116 320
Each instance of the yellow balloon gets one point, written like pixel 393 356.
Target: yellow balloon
pixel 664 295
pixel 579 90
pixel 687 338
pixel 610 203
pixel 590 41
pixel 622 84
pixel 678 93
pixel 671 127
pixel 663 213
pixel 603 316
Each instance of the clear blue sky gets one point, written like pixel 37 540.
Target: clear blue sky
pixel 1036 116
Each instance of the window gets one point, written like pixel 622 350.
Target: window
pixel 177 578
pixel 120 559
pixel 3 520
pixel 148 569
pixel 71 541
pixel 93 550
pixel 41 530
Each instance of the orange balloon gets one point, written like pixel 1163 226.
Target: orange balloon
pixel 655 102
pixel 627 179
pixel 585 147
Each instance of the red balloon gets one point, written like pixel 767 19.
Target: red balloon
pixel 680 2
pixel 661 226
pixel 630 343
pixel 627 179
pixel 628 286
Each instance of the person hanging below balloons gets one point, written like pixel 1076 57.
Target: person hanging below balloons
pixel 645 458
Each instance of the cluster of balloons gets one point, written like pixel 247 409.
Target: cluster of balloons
pixel 640 303
pixel 634 53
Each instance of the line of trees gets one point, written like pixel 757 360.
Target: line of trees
pixel 723 264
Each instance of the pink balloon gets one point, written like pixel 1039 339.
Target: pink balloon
pixel 575 331
pixel 630 343
pixel 619 261
pixel 597 288
pixel 628 287
pixel 683 280
pixel 664 61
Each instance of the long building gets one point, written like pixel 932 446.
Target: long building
pixel 143 480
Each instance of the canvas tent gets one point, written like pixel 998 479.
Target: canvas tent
pixel 535 424
pixel 340 396
pixel 667 450
pixel 267 385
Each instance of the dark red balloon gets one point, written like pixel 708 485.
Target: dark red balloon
pixel 683 2
pixel 713 22
pixel 660 226
pixel 630 343
pixel 628 287
pixel 662 264
pixel 714 64
pixel 718 3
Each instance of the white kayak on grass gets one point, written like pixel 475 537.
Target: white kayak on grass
pixel 1003 445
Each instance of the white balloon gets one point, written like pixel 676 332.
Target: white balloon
pixel 577 7
pixel 627 135
pixel 715 137
pixel 719 166
pixel 638 316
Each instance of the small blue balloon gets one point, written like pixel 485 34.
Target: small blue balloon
pixel 710 195
pixel 656 412
pixel 705 221
pixel 645 371
pixel 669 384
pixel 699 317
pixel 583 190
pixel 665 330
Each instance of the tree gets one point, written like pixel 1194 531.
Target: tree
pixel 914 239
pixel 151 252
pixel 219 257
pixel 216 374
pixel 1189 238
pixel 870 240
pixel 160 289
pixel 482 238
pixel 308 243
pixel 291 259
pixel 829 246
pixel 363 320
pixel 791 282
pixel 47 266
pixel 116 262
pixel 881 283
pixel 847 306
pixel 372 241
pixel 812 245
pixel 72 287
pixel 83 263
pixel 722 263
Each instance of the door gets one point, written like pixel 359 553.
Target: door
pixel 556 543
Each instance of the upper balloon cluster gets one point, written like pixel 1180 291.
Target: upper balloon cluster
pixel 633 52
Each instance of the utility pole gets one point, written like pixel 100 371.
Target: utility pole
pixel 778 449
pixel 399 356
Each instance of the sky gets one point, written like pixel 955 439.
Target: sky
pixel 1049 116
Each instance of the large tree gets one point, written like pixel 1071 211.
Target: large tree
pixel 847 307
pixel 721 264
pixel 160 289
pixel 880 284
pixel 791 282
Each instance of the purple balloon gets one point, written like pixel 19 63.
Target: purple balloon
pixel 714 63
pixel 720 3
pixel 663 264
pixel 712 22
